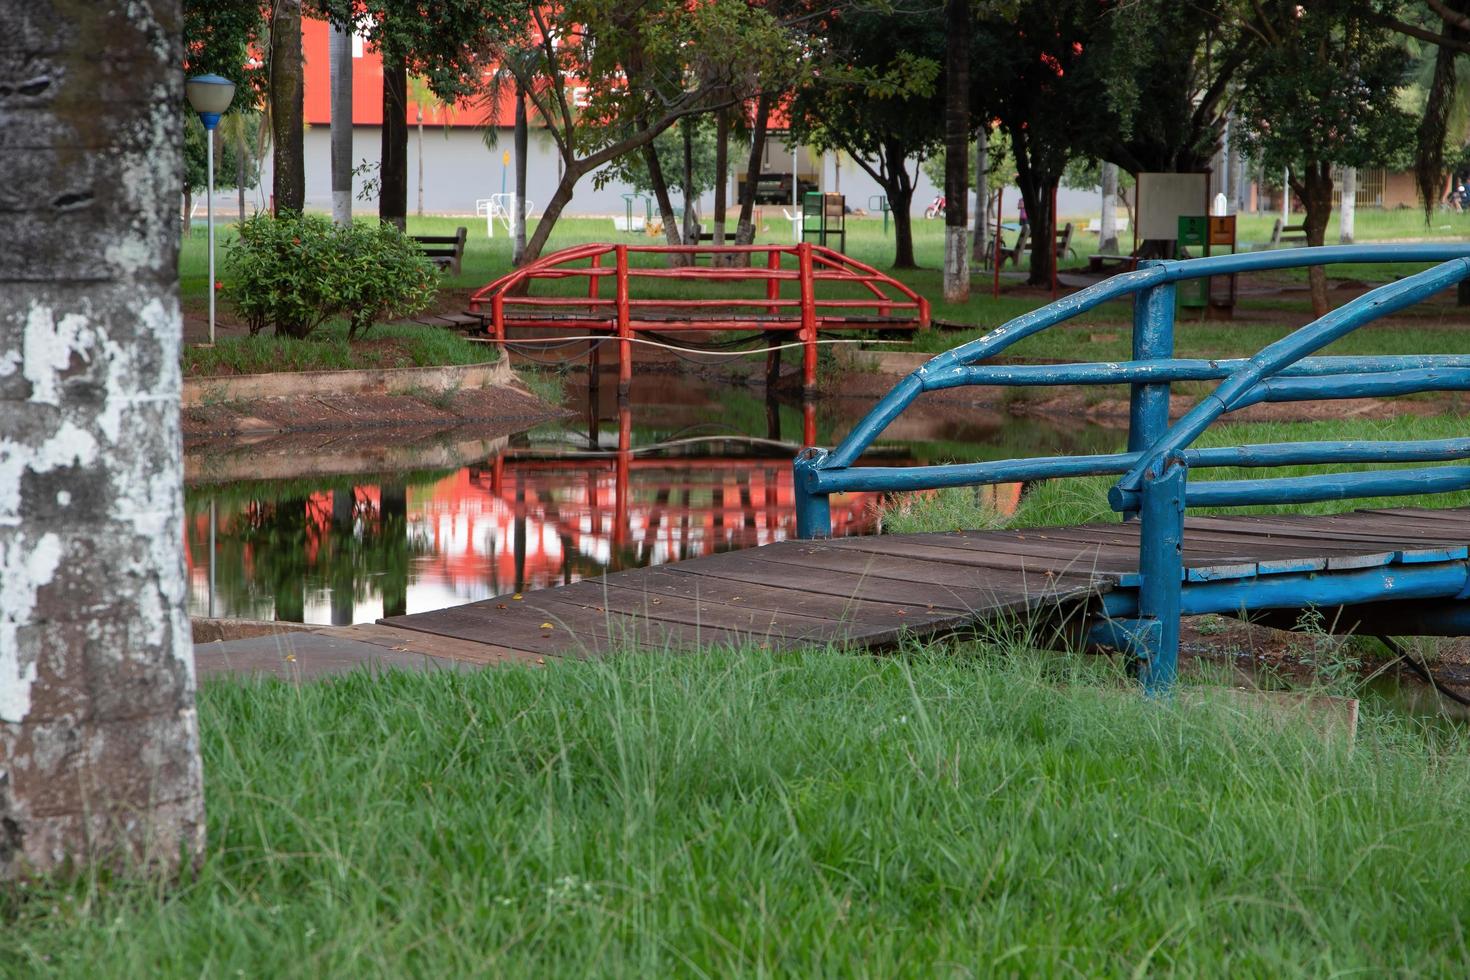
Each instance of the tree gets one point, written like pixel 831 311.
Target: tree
pixel 1168 72
pixel 339 53
pixel 288 125
pixel 234 165
pixel 219 37
pixel 878 100
pixel 1321 91
pixel 99 744
pixel 1040 77
pixel 956 143
pixel 703 174
pixel 606 51
pixel 445 42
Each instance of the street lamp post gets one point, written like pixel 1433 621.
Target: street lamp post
pixel 210 95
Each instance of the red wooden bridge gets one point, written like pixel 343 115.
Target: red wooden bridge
pixel 853 296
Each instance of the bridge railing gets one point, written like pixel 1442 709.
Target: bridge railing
pixel 1153 468
pixel 819 273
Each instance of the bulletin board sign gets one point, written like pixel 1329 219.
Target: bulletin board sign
pixel 1165 198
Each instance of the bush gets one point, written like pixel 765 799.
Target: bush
pixel 295 272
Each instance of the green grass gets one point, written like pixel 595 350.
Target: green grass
pixel 1433 327
pixel 407 345
pixel 811 814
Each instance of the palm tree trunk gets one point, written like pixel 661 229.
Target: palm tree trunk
pixel 956 150
pixel 522 139
pixel 98 734
pixel 421 161
pixel 340 53
pixel 393 176
pixel 287 113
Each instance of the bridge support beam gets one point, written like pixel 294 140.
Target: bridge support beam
pixel 1161 572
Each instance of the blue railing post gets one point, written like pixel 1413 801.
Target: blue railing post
pixel 1161 572
pixel 1153 338
pixel 813 510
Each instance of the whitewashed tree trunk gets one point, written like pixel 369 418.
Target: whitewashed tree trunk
pixel 340 54
pixel 1348 209
pixel 956 151
pixel 99 745
pixel 1108 224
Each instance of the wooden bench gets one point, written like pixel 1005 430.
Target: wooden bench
pixel 1012 253
pixel 445 251
pixel 1064 242
pixel 1284 234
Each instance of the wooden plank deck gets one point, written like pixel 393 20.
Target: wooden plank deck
pixel 868 592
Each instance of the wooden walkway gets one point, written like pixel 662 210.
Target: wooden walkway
pixel 868 592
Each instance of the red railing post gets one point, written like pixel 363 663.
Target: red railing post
pixel 625 326
pixel 497 319
pixel 773 285
pixel 594 280
pixel 808 320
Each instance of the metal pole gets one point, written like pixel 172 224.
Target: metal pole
pixel 796 222
pixel 209 158
pixel 1000 200
pixel 211 559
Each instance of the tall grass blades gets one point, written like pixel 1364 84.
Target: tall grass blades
pixel 811 814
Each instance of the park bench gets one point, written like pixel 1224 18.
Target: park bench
pixel 445 251
pixel 1064 241
pixel 1012 253
pixel 1284 234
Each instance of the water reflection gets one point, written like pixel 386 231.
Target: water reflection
pixel 655 484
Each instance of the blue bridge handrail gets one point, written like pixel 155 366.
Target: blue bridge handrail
pixel 1159 454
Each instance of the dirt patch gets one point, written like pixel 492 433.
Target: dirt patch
pixel 373 413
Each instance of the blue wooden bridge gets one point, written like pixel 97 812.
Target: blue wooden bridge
pixel 1126 585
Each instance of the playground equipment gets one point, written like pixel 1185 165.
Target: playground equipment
pixel 634 222
pixel 1139 611
pixel 879 202
pixel 502 208
pixel 859 297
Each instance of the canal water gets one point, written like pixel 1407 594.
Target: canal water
pixel 690 468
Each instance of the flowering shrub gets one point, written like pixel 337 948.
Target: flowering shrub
pixel 295 272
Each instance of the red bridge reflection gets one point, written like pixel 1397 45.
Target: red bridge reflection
pixel 529 518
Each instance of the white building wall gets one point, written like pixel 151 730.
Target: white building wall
pixel 460 169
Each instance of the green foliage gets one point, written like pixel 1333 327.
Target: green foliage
pixel 1324 88
pixel 295 272
pixel 222 37
pixel 226 157
pixel 1001 169
pixel 446 41
pixel 631 168
pixel 979 808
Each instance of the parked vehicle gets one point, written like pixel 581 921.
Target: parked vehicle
pixel 935 208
